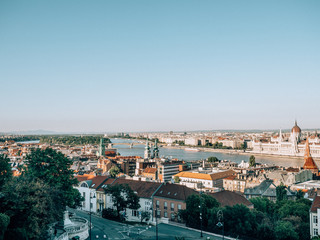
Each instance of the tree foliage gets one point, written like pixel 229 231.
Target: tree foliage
pixel 284 231
pixel 212 159
pixel 5 170
pixel 123 197
pixel 31 205
pixel 252 161
pixel 4 222
pixel 281 192
pixel 53 168
pixel 197 204
pixel 114 171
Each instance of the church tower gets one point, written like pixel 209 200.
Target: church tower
pixel 156 149
pixel 308 160
pixel 147 151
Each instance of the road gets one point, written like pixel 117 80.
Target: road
pixel 111 230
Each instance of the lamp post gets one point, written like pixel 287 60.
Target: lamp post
pixel 90 211
pixel 220 223
pixel 200 207
pixel 156 223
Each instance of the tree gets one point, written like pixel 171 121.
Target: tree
pixel 285 231
pixel 5 170
pixel 4 222
pixel 196 204
pixel 176 179
pixel 31 205
pixel 281 192
pixel 252 161
pixel 114 171
pixel 212 159
pixel 54 168
pixel 239 220
pixel 299 194
pixel 264 205
pixel 265 230
pixel 123 197
pixel 145 216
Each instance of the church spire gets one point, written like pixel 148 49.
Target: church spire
pixel 307 151
pixel 308 160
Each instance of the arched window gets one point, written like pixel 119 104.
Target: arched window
pixel 84 185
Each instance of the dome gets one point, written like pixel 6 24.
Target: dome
pixel 296 128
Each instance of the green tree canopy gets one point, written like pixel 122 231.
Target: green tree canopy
pixel 252 161
pixel 196 204
pixel 53 168
pixel 114 171
pixel 4 222
pixel 5 170
pixel 239 219
pixel 31 205
pixel 281 192
pixel 212 159
pixel 123 197
pixel 284 231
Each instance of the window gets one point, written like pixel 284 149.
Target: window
pixel 165 214
pixel 91 205
pixel 158 213
pixel 179 206
pixel 315 219
pixel 165 205
pixel 172 206
pixel 315 232
pixel 134 213
pixel 157 203
pixel 172 216
pixel 84 195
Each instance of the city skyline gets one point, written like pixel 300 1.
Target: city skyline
pixel 159 66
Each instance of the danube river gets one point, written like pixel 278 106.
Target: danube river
pixel 138 150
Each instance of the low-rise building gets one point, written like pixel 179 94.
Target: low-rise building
pixel 315 217
pixel 169 199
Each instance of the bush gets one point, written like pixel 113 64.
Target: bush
pixel 109 213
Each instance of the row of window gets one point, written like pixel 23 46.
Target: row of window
pixel 165 205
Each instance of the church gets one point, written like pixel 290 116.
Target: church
pixel 292 144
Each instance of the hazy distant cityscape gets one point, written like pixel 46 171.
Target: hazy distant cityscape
pixel 165 120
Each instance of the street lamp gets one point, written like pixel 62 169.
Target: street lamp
pixel 200 207
pixel 220 223
pixel 94 196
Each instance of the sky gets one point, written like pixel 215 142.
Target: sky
pixel 110 66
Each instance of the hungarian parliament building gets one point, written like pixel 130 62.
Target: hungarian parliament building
pixel 288 144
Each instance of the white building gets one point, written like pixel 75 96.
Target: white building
pixel 88 186
pixel 314 217
pixel 144 190
pixel 293 146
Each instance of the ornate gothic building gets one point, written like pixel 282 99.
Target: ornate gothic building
pixel 292 145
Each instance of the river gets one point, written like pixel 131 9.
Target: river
pixel 138 150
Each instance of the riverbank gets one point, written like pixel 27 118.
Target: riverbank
pixel 236 152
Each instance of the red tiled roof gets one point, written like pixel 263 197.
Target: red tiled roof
pixel 227 198
pixel 175 191
pixel 315 204
pixel 142 188
pixel 150 170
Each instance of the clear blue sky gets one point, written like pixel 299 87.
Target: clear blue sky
pixel 159 65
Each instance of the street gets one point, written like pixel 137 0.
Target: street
pixel 111 230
